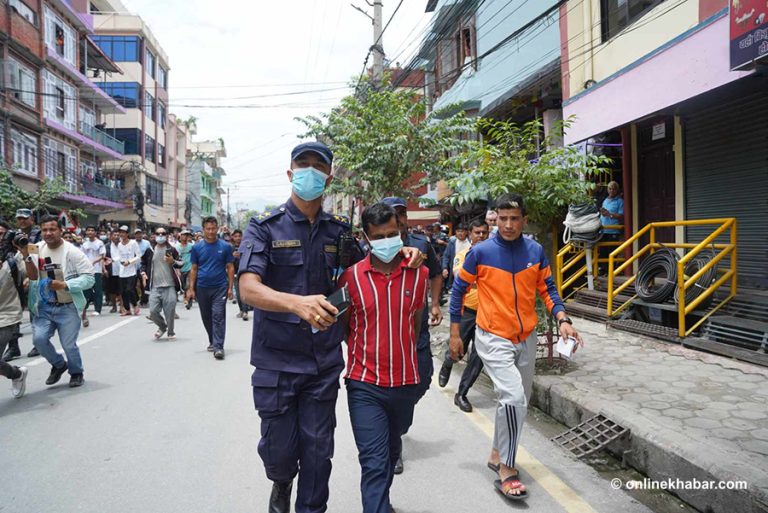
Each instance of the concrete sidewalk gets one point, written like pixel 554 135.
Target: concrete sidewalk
pixel 692 415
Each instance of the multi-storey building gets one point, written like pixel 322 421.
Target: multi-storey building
pixel 206 172
pixel 143 128
pixel 51 105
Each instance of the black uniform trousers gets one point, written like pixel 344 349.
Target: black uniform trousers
pixel 474 363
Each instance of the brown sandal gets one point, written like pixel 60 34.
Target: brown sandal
pixel 509 484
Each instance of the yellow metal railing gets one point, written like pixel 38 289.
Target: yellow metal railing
pixel 684 283
pixel 570 256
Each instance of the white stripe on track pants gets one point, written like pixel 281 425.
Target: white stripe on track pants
pixel 510 367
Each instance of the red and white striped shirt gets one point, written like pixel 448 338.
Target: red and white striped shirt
pixel 382 339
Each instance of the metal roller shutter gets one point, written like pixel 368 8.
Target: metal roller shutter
pixel 726 175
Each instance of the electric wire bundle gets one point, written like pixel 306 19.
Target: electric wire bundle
pixel 703 282
pixel 659 266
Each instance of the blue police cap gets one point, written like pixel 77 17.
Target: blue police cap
pixel 319 148
pixel 393 202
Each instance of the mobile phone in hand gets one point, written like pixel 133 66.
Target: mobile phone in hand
pixel 340 300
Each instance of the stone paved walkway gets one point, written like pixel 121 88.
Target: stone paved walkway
pixel 691 414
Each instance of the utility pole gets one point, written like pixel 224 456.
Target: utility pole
pixel 229 216
pixel 378 44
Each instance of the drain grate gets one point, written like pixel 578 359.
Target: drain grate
pixel 590 436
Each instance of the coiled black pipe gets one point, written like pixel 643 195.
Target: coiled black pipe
pixel 704 281
pixel 660 265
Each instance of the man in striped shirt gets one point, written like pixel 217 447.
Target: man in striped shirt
pixel 383 322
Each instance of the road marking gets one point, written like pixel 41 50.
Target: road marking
pixel 86 340
pixel 563 494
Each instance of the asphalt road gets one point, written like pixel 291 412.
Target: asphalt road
pixel 163 427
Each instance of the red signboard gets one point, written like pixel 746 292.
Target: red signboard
pixel 749 32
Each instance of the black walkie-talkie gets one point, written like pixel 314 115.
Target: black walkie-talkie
pixel 344 249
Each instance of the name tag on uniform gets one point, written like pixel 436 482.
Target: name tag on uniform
pixel 286 243
pixel 330 248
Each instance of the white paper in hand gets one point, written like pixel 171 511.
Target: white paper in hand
pixel 565 347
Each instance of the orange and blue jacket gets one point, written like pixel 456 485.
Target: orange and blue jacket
pixel 508 274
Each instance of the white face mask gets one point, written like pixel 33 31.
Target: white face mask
pixel 160 239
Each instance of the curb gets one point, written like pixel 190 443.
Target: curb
pixel 656 451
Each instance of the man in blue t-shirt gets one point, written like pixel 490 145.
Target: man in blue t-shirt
pixel 210 282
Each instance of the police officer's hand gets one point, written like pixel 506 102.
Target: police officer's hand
pixel 435 315
pixel 414 257
pixel 457 348
pixel 230 294
pixel 316 310
pixel 445 274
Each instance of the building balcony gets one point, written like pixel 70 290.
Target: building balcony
pixel 98 197
pixel 88 90
pixel 102 138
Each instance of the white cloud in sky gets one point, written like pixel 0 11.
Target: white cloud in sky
pixel 316 44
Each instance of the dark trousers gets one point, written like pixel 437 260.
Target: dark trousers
pixel 128 292
pixel 379 416
pixel 244 308
pixel 8 335
pixel 474 363
pixel 95 295
pixel 298 419
pixel 213 310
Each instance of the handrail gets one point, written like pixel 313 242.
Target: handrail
pixel 562 265
pixel 684 282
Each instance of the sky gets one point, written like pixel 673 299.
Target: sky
pixel 245 52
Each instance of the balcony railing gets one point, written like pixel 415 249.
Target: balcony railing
pixel 102 138
pixel 110 192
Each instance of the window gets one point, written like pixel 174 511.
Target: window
pixel 59 100
pixel 616 15
pixel 131 137
pixel 149 148
pixel 149 63
pixel 87 119
pixel 154 191
pixel 24 152
pixel 149 106
pixel 59 36
pixel 23 81
pixel 119 48
pixel 87 169
pixel 61 163
pixel 162 77
pixel 161 114
pixel 161 155
pixel 24 11
pixel 124 93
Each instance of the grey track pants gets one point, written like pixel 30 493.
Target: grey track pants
pixel 162 300
pixel 510 367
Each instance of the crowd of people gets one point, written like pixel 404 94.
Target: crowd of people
pixel 311 286
pixel 58 276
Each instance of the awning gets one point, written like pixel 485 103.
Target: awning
pixel 529 87
pixel 97 59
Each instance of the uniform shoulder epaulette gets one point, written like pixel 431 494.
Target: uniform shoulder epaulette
pixel 266 216
pixel 343 220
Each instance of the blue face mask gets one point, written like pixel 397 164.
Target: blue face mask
pixel 386 249
pixel 309 183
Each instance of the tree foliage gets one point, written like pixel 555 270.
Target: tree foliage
pixel 13 197
pixel 518 158
pixel 382 136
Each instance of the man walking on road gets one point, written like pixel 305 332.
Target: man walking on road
pixel 12 275
pixel 163 284
pixel 384 319
pixel 95 252
pixel 478 233
pixel 128 254
pixel 236 239
pixel 508 269
pixel 58 277
pixel 185 250
pixel 211 283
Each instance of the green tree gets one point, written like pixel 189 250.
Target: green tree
pixel 382 136
pixel 13 197
pixel 518 158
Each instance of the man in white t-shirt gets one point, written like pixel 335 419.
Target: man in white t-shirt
pixel 95 252
pixel 112 267
pixel 128 255
pixel 58 276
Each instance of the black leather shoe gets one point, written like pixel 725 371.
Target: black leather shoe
pixel 34 352
pixel 280 499
pixel 445 375
pixel 55 375
pixel 399 465
pixel 218 354
pixel 463 403
pixel 12 352
pixel 76 380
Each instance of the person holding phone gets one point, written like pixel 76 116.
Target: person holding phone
pixel 164 285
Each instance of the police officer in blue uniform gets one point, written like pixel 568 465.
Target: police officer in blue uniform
pixel 433 316
pixel 291 258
